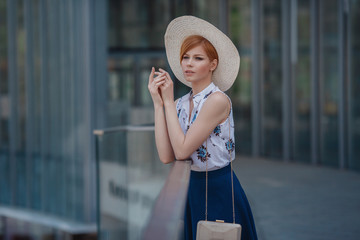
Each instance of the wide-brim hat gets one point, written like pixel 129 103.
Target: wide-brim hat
pixel 229 59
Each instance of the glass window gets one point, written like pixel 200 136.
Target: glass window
pixel 129 101
pixel 272 82
pixel 302 85
pixel 329 83
pixel 137 24
pixel 240 92
pixel 35 157
pixel 208 10
pixel 5 195
pixel 4 97
pixel 3 49
pixel 20 138
pixel 355 85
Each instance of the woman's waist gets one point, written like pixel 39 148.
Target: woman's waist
pixel 212 172
pixel 215 161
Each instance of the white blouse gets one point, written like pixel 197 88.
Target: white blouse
pixel 219 145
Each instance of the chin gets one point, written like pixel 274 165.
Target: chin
pixel 190 80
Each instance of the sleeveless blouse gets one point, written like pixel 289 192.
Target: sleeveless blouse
pixel 220 146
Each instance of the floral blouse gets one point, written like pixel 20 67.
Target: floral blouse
pixel 219 145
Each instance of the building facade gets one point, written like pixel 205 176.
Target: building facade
pixel 295 97
pixel 69 67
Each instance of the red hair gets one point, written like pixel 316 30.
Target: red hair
pixel 196 40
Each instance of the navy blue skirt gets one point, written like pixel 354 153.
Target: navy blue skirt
pixel 219 202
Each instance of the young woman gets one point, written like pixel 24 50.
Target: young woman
pixel 199 125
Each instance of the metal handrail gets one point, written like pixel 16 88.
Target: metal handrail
pixel 167 219
pixel 43 219
pixel 100 132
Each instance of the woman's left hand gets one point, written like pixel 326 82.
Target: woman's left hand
pixel 167 88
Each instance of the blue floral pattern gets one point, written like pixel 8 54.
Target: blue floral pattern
pixel 194 117
pixel 230 146
pixel 206 96
pixel 202 153
pixel 217 130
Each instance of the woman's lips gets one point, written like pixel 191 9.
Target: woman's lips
pixel 189 72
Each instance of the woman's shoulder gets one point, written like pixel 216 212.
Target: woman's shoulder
pixel 217 104
pixel 218 98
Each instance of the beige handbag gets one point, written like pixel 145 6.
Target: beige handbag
pixel 207 230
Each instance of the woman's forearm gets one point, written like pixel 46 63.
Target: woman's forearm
pixel 175 132
pixel 162 140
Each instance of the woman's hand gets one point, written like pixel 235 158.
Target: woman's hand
pixel 167 88
pixel 154 86
pixel 163 144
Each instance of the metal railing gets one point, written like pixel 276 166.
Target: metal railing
pixel 40 224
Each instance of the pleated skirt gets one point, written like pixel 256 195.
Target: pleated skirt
pixel 219 202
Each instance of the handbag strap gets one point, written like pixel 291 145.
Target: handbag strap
pixel 232 182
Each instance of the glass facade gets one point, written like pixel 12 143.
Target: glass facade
pixel 46 119
pixel 240 32
pixel 272 81
pixel 5 194
pixel 68 67
pixel 302 105
pixel 329 78
pixel 354 99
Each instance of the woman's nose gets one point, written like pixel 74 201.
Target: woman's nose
pixel 189 62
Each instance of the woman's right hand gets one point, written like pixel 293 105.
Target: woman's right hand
pixel 154 86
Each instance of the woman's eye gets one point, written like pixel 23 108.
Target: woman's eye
pixel 199 58
pixel 185 57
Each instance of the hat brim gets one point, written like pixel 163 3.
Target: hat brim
pixel 229 59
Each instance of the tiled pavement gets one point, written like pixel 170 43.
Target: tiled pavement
pixel 292 201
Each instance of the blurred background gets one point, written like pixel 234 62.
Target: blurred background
pixel 68 67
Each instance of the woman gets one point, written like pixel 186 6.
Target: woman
pixel 200 124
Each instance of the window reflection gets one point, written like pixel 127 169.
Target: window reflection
pixel 302 85
pixel 329 85
pixel 355 85
pixel 35 156
pixel 137 24
pixel 20 114
pixel 240 92
pixel 4 84
pixel 128 96
pixel 208 10
pixel 272 88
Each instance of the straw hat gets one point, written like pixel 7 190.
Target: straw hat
pixel 229 58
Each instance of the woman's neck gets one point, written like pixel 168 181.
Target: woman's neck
pixel 199 86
